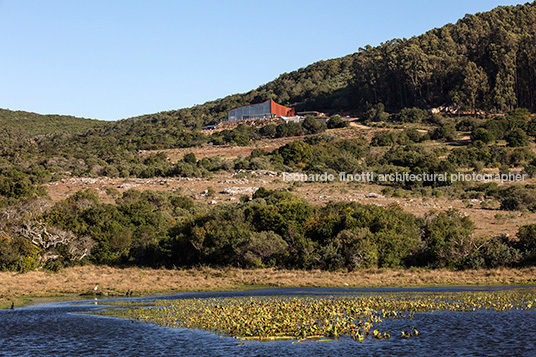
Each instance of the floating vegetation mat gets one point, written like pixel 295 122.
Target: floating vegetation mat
pixel 327 317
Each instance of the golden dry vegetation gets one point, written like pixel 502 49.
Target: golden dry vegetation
pixel 117 281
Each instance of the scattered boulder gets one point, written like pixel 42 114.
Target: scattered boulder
pixel 240 190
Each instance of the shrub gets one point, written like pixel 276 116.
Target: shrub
pixel 483 135
pixel 499 252
pixel 446 132
pixel 516 137
pixel 447 236
pixel 376 113
pixel 527 238
pixel 518 198
pixel 190 158
pixel 313 126
pixel 412 115
pixel 268 131
pixel 263 249
pixel 295 152
pixel 337 122
pixel 467 124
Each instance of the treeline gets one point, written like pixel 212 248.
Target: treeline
pixel 484 62
pixel 273 229
pixel 32 124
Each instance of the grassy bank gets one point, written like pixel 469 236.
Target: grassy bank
pixel 116 281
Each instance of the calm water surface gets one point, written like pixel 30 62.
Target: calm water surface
pixel 56 329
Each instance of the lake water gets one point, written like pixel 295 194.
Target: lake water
pixel 55 329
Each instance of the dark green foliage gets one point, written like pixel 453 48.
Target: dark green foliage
pixel 473 63
pixel 185 169
pixel 414 160
pixel 268 131
pixel 516 137
pixel 490 155
pixel 290 233
pixel 130 231
pixel 527 237
pixel 481 134
pixel 376 113
pixel 313 126
pixel 17 254
pixel 467 124
pixel 272 229
pixel 411 115
pixel 337 122
pixel 408 136
pixel 389 139
pixel 32 124
pixel 527 242
pixel 15 184
pixel 500 251
pixel 446 132
pixel 531 127
pixel 190 158
pixel 263 249
pixel 289 129
pixel 214 163
pixel 448 238
pixel 517 198
pixel 295 152
pixel 365 235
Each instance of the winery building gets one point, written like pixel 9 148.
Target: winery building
pixel 268 109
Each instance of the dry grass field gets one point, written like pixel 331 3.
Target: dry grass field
pixel 116 281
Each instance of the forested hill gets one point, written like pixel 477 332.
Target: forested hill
pixel 485 61
pixel 32 124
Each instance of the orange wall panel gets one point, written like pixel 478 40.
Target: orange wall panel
pixel 281 110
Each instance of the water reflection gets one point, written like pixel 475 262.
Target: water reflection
pixel 57 329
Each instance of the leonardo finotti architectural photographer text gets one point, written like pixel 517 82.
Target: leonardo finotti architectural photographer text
pixel 370 176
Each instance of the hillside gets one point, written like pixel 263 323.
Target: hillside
pixel 156 191
pixel 32 124
pixel 485 61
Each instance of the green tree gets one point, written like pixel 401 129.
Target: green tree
pixel 448 238
pixel 296 152
pixel 412 115
pixel 475 86
pixel 313 126
pixel 481 134
pixel 517 137
pixel 337 122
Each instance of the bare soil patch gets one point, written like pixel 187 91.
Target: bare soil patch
pixel 228 152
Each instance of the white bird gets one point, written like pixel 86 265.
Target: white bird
pixel 96 287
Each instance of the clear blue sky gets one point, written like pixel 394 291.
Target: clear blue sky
pixel 117 59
